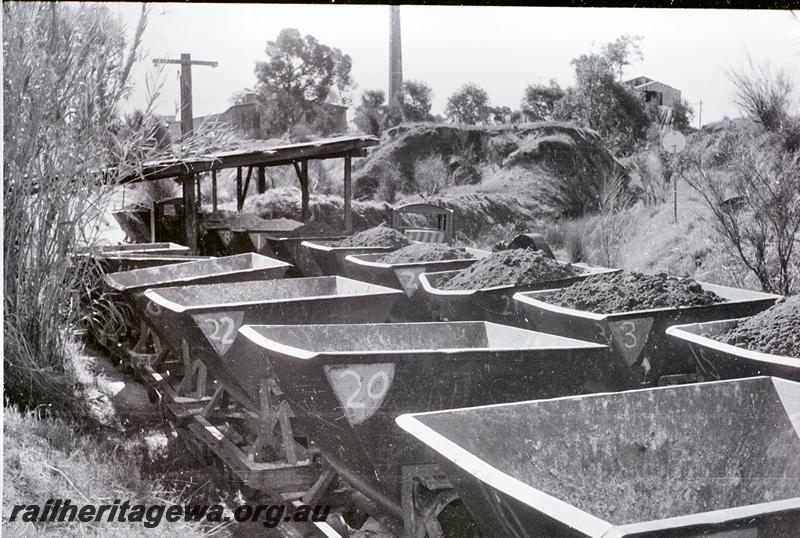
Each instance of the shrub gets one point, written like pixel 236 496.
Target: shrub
pixel 66 70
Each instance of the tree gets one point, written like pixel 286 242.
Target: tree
pixel 622 51
pixel 415 101
pixel 500 114
pixel 469 104
pixel 539 101
pixel 755 209
pixel 371 113
pixel 300 74
pixel 755 202
pixel 682 115
pixel 599 102
pixel 766 97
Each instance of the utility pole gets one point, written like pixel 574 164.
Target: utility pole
pixel 189 182
pixel 700 115
pixel 186 63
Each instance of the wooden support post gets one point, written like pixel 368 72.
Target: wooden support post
pixel 199 180
pixel 214 189
pixel 213 402
pixel 304 189
pixel 348 194
pixel 188 369
pixel 239 196
pixel 266 420
pixel 286 433
pixel 202 377
pixel 320 487
pixel 247 183
pixel 261 186
pixel 189 212
pixel 153 221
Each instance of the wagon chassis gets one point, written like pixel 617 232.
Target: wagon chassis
pixel 269 457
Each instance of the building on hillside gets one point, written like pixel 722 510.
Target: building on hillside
pixel 246 119
pixel 656 92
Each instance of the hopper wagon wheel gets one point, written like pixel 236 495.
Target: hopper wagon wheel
pixel 443 515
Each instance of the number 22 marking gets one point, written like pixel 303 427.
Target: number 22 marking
pixel 223 329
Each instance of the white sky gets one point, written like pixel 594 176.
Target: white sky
pixel 500 48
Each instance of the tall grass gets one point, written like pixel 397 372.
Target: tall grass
pixel 66 70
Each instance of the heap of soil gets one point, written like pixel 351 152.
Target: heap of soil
pixel 625 292
pixel 379 236
pixel 315 229
pixel 516 267
pixel 425 252
pixel 248 221
pixel 775 331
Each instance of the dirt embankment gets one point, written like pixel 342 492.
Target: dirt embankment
pixel 378 236
pixel 775 331
pixel 508 268
pixel 426 252
pixel 626 292
pixel 548 167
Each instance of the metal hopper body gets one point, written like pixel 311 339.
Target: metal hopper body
pixel 208 318
pixel 638 338
pixel 717 360
pixel 173 249
pixel 117 262
pixel 405 276
pixel 131 285
pixel 289 249
pixel 330 258
pixel 346 384
pixel 710 459
pixel 490 304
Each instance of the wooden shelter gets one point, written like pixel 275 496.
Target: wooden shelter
pixel 255 155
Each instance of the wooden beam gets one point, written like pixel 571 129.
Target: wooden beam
pixel 214 189
pixel 153 221
pixel 189 212
pixel 304 212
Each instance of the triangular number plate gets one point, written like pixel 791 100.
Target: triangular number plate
pixel 360 388
pixel 220 329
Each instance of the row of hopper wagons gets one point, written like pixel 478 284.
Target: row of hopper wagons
pixel 449 413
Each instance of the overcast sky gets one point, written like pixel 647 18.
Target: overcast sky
pixel 500 48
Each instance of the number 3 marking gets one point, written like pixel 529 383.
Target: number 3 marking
pixel 629 333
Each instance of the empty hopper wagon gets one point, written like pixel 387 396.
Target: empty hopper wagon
pixel 128 287
pixel 202 323
pixel 718 459
pixel 346 384
pixel 114 258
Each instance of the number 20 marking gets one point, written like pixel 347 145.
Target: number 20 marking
pixel 381 379
pixel 223 331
